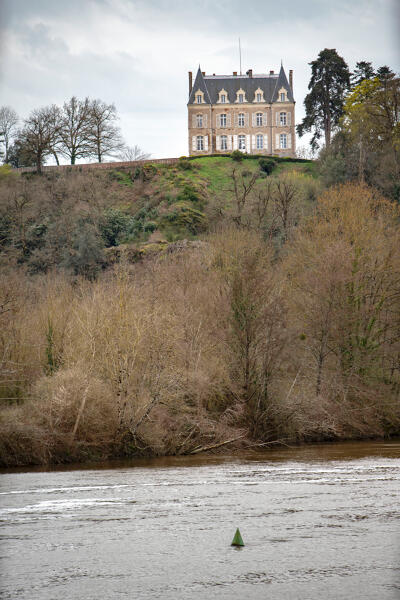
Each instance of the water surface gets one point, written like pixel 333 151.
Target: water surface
pixel 318 522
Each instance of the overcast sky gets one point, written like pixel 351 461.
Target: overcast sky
pixel 137 53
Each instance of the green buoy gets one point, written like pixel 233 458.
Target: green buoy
pixel 237 539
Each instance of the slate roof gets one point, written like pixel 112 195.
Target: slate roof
pixel 211 85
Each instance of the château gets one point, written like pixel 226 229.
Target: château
pixel 251 113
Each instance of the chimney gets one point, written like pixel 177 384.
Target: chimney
pixel 235 73
pixel 203 73
pixel 249 72
pixel 271 72
pixel 190 81
pixel 291 79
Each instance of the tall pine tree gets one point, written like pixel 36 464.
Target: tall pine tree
pixel 330 79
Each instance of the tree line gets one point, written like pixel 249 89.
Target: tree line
pixel 78 129
pixel 357 115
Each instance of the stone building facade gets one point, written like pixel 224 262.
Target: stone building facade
pixel 251 113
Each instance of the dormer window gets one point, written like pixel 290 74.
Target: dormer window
pixel 222 97
pixel 259 95
pixel 199 97
pixel 283 97
pixel 240 96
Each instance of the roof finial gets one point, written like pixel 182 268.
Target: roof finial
pixel 281 64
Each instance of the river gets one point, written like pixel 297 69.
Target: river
pixel 318 522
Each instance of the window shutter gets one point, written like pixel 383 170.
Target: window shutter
pixel 206 143
pixel 229 142
pixel 289 140
pixel 289 118
pixel 277 141
pixel 247 119
pixel 204 120
pixel 218 142
pixel 264 119
pixel 235 142
pixel 194 121
pixel 236 121
pixel 193 142
pixel 253 142
pixel 253 119
pixel 277 119
pixel 247 143
pixel 217 121
pixel 228 120
pixel 265 142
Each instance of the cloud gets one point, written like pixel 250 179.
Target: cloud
pixel 137 53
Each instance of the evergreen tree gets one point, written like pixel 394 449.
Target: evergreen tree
pixel 330 79
pixel 363 70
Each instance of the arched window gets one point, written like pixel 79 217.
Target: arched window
pixel 199 142
pixel 199 120
pixel 222 120
pixel 259 119
pixel 224 142
pixel 283 141
pixel 242 142
pixel 260 141
pixel 282 118
pixel 241 119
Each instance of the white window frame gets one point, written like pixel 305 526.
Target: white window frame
pixel 282 119
pixel 224 142
pixel 282 97
pixel 199 121
pixel 240 98
pixel 241 119
pixel 199 143
pixel 199 99
pixel 260 138
pixel 223 98
pixel 259 119
pixel 222 120
pixel 241 142
pixel 258 97
pixel 283 141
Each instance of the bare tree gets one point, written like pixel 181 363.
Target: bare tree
pixel 75 129
pixel 104 136
pixel 41 134
pixel 8 128
pixel 131 153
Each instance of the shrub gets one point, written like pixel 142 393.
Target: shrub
pixel 237 155
pixel 185 164
pixel 267 165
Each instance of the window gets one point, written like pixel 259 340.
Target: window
pixel 222 120
pixel 283 141
pixel 282 118
pixel 199 120
pixel 241 120
pixel 199 142
pixel 242 142
pixel 240 98
pixel 260 141
pixel 259 119
pixel 198 98
pixel 224 142
pixel 258 97
pixel 223 98
pixel 283 96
